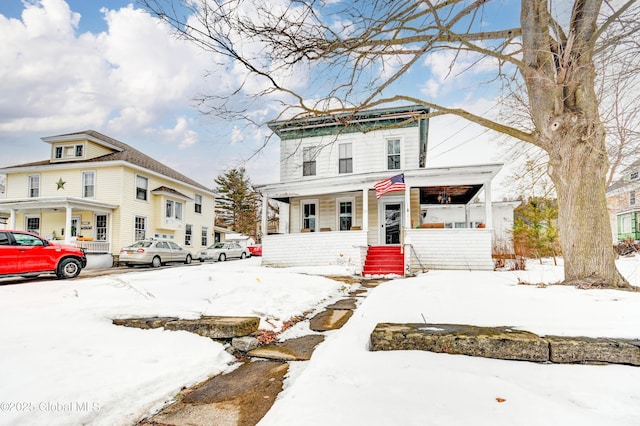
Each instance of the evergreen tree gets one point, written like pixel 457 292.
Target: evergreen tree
pixel 535 231
pixel 237 203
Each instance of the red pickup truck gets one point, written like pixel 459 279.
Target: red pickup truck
pixel 27 254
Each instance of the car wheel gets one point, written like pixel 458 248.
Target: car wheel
pixel 188 260
pixel 243 255
pixel 156 262
pixel 201 260
pixel 69 268
pixel 222 257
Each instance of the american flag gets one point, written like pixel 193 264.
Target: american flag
pixel 392 184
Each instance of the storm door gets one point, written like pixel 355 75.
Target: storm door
pixel 391 222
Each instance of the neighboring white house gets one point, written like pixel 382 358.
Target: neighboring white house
pixel 102 194
pixel 328 169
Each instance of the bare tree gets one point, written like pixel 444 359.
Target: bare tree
pixel 356 54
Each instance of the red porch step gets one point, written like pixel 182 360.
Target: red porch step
pixel 384 260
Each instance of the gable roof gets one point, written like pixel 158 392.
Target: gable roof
pixel 122 152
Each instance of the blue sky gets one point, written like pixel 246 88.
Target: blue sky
pixel 104 65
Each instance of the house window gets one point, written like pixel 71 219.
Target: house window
pixel 309 161
pixel 632 198
pixel 345 163
pixel 34 186
pixel 142 185
pixel 88 184
pixel 198 203
pixel 140 228
pixel 58 152
pixel 625 224
pixel 79 150
pixel 32 224
pixel 188 234
pixel 173 210
pixel 345 213
pixel 309 215
pixel 204 236
pixel 393 154
pixel 101 227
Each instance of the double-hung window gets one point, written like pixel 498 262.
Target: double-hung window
pixel 79 150
pixel 198 203
pixel 88 184
pixel 309 215
pixel 173 210
pixel 34 186
pixel 142 187
pixel 632 198
pixel 309 161
pixel 58 152
pixel 345 163
pixel 140 228
pixel 346 209
pixel 188 234
pixel 204 236
pixel 393 154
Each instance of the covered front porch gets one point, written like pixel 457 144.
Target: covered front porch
pixel 334 221
pixel 64 220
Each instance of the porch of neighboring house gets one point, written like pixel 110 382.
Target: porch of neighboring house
pixel 341 222
pixel 66 220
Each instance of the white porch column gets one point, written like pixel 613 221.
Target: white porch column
pixel 467 215
pixel 365 209
pixel 488 211
pixel 265 211
pixel 407 216
pixel 67 225
pixel 12 219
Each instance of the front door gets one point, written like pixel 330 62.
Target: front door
pixel 391 222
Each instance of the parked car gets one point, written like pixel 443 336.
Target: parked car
pixel 222 252
pixel 27 254
pixel 154 253
pixel 255 250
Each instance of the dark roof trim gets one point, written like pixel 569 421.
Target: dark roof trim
pixel 349 122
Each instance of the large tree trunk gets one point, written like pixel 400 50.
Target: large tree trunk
pixel 578 170
pixel 560 77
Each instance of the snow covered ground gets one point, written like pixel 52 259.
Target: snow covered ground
pixel 63 362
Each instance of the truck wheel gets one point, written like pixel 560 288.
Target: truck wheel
pixel 69 268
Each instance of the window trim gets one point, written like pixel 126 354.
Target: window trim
pixel 309 161
pixel 351 200
pixel 143 229
pixel 348 160
pixel 188 232
pixel 175 211
pixel 139 188
pixel 315 202
pixel 84 184
pixel 30 189
pixel 204 236
pixel 399 154
pixel 197 205
pixel 632 198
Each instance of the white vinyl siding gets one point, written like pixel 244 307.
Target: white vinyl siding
pixel 369 153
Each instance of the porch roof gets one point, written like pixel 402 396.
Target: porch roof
pixel 52 203
pixel 473 176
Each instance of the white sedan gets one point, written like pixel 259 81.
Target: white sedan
pixel 222 252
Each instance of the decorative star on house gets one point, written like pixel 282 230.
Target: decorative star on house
pixel 60 184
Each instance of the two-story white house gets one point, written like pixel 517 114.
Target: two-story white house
pixel 329 168
pixel 102 194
